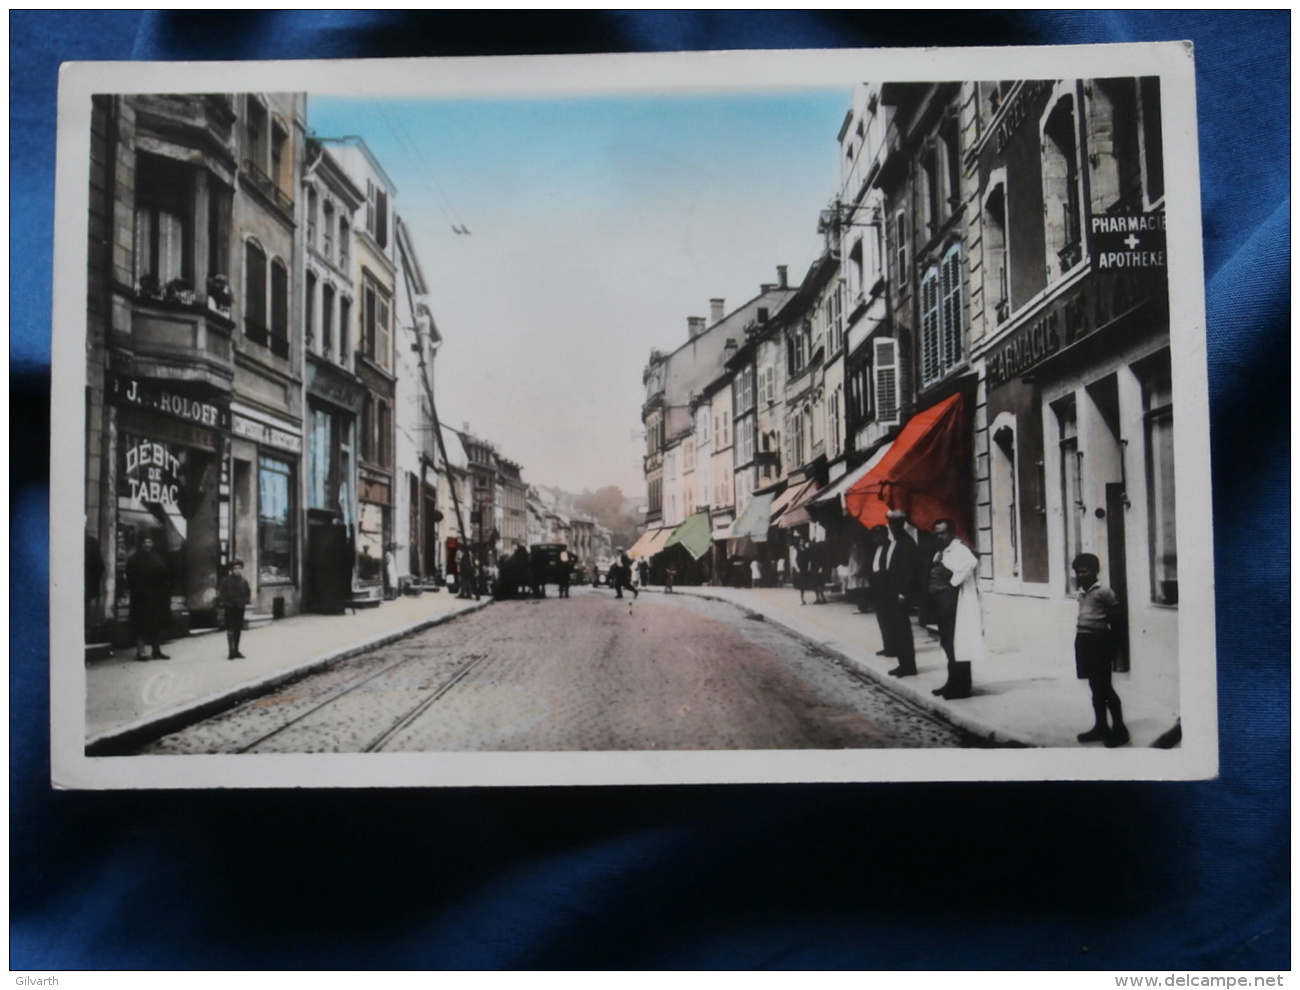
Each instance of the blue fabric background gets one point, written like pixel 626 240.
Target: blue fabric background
pixel 1017 876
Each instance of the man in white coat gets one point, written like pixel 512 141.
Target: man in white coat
pixel 957 607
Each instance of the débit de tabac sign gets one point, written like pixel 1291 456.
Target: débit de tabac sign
pixel 1133 240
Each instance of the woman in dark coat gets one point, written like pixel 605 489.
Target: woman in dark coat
pixel 151 602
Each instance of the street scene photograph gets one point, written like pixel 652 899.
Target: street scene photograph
pixel 652 420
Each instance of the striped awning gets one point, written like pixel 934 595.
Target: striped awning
pixel 796 512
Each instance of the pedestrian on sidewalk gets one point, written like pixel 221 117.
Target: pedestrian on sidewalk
pixel 1095 650
pixel 880 544
pixel 857 580
pixel 149 584
pixel 956 606
pixel 902 565
pixel 233 595
pixel 803 568
pixel 821 568
pixel 670 575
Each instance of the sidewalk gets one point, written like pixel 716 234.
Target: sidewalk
pixel 128 701
pixel 1018 699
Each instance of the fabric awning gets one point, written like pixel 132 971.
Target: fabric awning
pixel 693 534
pixel 722 531
pixel 755 519
pixel 657 543
pixel 831 498
pixel 637 550
pixel 787 497
pixel 796 511
pixel 926 472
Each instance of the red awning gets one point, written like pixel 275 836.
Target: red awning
pixel 926 472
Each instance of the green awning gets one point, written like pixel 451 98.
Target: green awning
pixel 695 535
pixel 755 519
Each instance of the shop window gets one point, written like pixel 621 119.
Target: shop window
pixel 321 446
pixel 163 208
pixel 275 519
pixel 384 441
pixel 1157 401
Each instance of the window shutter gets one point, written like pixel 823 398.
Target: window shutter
pixel 952 311
pixel 886 380
pixel 930 328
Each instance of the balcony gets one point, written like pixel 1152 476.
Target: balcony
pixel 265 185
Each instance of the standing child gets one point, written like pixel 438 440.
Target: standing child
pixel 1095 643
pixel 234 594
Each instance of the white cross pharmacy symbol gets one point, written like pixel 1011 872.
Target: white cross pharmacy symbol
pixel 1132 241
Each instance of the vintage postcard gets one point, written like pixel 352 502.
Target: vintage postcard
pixel 683 418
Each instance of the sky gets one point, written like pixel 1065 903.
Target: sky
pixel 598 225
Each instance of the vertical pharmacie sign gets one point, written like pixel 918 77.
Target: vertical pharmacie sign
pixel 1127 240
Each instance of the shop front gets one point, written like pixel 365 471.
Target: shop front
pixel 169 442
pixel 1080 437
pixel 266 454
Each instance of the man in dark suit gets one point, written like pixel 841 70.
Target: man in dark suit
pixel 902 568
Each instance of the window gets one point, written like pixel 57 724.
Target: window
pixel 1061 189
pixel 885 375
pixel 996 282
pixel 384 441
pixel 745 440
pixel 321 483
pixel 255 136
pixel 255 293
pixel 219 212
pixel 345 242
pixel 942 322
pixel 368 430
pixel 279 308
pixel 1072 506
pixel 1157 402
pixel 275 519
pixel 375 340
pixel 327 232
pixel 345 315
pixel 900 249
pixel 312 209
pixel 279 139
pixel 163 207
pixel 309 310
pixel 377 214
pixel 327 320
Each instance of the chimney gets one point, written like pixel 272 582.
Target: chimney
pixel 715 310
pixel 782 274
pixel 766 287
pixel 694 326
